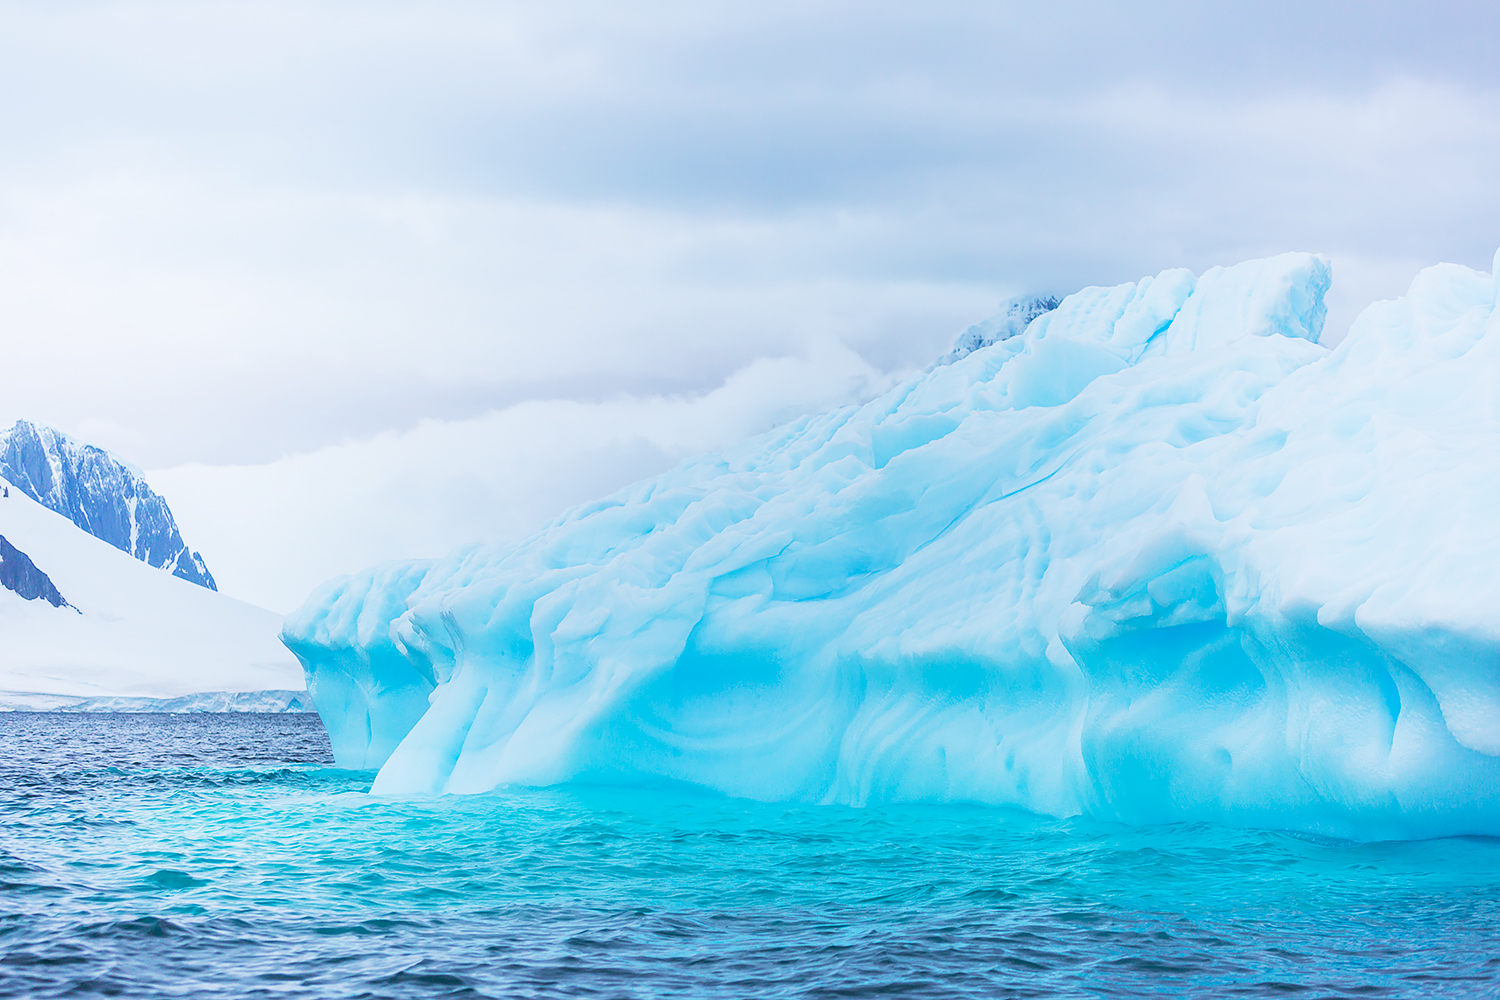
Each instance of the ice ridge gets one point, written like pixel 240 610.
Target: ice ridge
pixel 100 494
pixel 1160 557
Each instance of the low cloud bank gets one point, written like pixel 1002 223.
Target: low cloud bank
pixel 276 530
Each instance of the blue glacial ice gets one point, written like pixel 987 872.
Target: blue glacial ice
pixel 1160 557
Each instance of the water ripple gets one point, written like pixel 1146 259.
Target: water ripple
pixel 221 856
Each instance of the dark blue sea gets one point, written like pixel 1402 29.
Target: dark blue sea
pixel 225 856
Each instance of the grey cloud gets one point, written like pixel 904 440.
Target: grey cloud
pixel 310 222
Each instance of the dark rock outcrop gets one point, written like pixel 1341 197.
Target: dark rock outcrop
pixel 1014 317
pixel 100 494
pixel 19 573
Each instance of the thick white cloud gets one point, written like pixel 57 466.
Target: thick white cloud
pixel 233 232
pixel 274 531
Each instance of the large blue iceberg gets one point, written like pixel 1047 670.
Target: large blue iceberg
pixel 1160 557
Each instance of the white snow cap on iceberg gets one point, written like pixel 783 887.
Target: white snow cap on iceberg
pixel 1160 557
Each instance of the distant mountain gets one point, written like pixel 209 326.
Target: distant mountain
pixel 100 494
pixel 1014 317
pixel 84 626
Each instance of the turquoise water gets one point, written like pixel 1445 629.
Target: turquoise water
pixel 223 856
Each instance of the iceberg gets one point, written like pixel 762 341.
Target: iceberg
pixel 1160 557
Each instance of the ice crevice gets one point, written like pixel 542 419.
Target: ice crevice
pixel 1159 557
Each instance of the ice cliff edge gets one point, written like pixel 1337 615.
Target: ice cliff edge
pixel 1160 557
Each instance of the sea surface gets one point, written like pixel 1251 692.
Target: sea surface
pixel 225 856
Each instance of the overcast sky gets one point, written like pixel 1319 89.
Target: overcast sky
pixel 367 280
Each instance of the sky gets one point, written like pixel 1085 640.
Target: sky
pixel 362 281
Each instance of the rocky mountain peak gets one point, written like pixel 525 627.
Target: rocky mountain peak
pixel 100 494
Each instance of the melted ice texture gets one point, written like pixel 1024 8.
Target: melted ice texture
pixel 1162 557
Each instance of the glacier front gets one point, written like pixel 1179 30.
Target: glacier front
pixel 1160 557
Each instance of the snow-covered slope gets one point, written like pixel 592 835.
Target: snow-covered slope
pixel 1161 557
pixel 127 629
pixel 100 494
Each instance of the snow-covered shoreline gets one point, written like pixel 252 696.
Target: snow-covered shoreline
pixel 261 702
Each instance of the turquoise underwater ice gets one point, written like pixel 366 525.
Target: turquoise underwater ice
pixel 1162 557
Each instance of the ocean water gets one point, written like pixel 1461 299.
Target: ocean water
pixel 224 856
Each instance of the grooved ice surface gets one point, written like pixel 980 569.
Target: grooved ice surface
pixel 1161 557
pixel 101 495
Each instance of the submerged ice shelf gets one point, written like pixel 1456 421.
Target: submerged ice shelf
pixel 1161 557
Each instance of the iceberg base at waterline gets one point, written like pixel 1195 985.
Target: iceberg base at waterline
pixel 1161 557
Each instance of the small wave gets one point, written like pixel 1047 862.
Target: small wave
pixel 170 878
